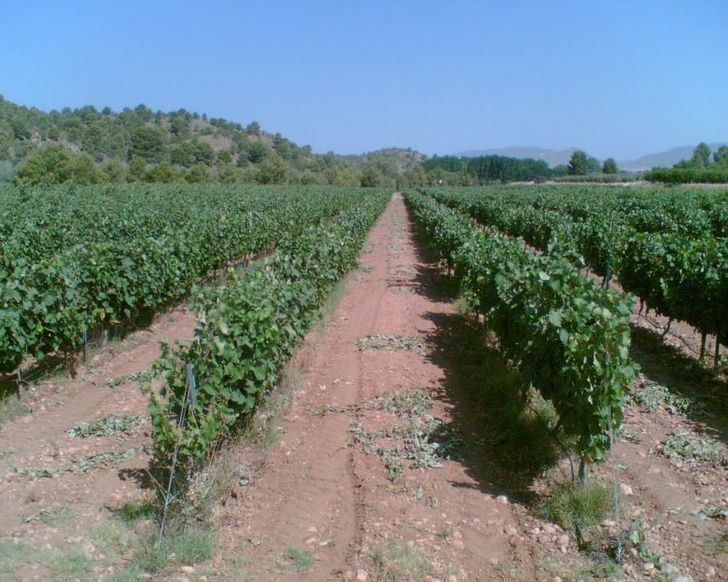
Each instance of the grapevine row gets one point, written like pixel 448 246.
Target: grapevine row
pixel 672 255
pixel 683 211
pixel 246 331
pixel 567 335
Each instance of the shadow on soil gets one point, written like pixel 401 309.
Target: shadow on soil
pixel 52 365
pixel 506 431
pixel 685 377
pixel 143 478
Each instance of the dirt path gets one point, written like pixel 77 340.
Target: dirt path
pixel 322 497
pixel 42 469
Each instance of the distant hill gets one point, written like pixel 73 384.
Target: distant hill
pixel 400 159
pixel 664 159
pixel 87 145
pixel 550 156
pixel 553 157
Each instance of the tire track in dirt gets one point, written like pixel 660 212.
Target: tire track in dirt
pixel 318 496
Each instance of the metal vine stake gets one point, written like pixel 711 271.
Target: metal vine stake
pixel 190 397
pixel 619 550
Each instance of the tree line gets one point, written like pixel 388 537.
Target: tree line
pixel 704 167
pixel 485 169
pixel 467 171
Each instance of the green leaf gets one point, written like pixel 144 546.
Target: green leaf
pixel 555 318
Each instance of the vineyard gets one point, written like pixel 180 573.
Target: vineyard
pixel 75 259
pixel 669 248
pixel 479 382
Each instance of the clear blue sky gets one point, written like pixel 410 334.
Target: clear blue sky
pixel 616 77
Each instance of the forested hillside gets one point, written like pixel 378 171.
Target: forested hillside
pixel 134 145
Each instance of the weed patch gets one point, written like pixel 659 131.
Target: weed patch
pixel 652 396
pixel 571 505
pixel 13 556
pixel 113 538
pixel 403 290
pixel 82 465
pixel 70 565
pixel 601 569
pixel 177 549
pixel 521 434
pixel 51 515
pixel 419 439
pixel 396 562
pixel 263 428
pixel 388 342
pixel 717 545
pixel 399 275
pixel 106 459
pixel 111 425
pixel 693 449
pixel 141 377
pixel 638 540
pixel 299 560
pixel 412 402
pixel 415 445
pixel 712 512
